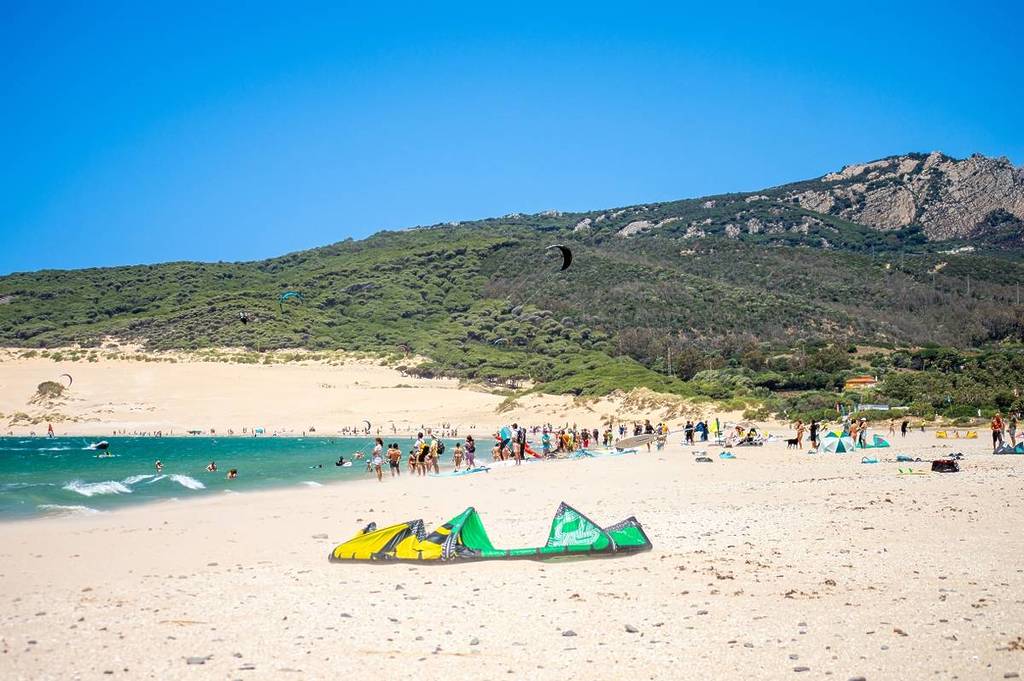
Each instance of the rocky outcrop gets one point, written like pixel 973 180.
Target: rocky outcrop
pixel 947 197
pixel 638 226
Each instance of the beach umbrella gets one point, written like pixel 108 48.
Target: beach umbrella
pixel 838 445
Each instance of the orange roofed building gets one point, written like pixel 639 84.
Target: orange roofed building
pixel 860 382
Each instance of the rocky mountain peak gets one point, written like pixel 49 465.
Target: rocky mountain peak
pixel 949 198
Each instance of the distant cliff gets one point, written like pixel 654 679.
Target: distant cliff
pixel 948 198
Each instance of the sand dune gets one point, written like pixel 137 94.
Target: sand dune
pixel 187 394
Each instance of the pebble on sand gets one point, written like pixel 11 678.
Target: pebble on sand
pixel 631 629
pixel 568 632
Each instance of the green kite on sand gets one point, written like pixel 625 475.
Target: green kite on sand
pixel 463 538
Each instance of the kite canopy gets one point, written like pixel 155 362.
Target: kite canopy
pixel 289 295
pixel 566 255
pixel 464 538
pixel 877 442
pixel 636 441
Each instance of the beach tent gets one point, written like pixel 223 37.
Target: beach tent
pixel 463 538
pixel 838 445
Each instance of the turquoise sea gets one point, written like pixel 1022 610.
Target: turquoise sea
pixel 63 476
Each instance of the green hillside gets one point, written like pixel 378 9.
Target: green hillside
pixel 735 296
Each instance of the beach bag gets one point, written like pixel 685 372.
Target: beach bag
pixel 945 466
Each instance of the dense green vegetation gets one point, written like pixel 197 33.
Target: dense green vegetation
pixel 741 297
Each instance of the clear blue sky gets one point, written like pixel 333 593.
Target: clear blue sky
pixel 143 132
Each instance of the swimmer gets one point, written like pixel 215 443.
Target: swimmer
pixel 212 467
pixel 232 474
pixel 159 466
pixel 340 461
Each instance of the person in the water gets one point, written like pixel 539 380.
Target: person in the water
pixel 212 468
pixel 232 474
pixel 159 466
pixel 340 461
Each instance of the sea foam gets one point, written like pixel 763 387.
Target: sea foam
pixel 186 481
pixel 59 509
pixel 310 483
pixel 88 489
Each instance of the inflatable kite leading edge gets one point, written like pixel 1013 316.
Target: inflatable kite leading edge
pixel 463 538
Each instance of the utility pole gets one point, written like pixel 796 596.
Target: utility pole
pixel 669 360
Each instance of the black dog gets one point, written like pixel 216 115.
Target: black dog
pixel 791 443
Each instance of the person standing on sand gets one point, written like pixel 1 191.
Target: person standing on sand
pixel 519 450
pixel 997 431
pixel 892 427
pixel 457 455
pixel 395 459
pixel 378 459
pixel 1013 430
pixel 431 453
pixel 49 430
pixel 904 427
pixel 799 434
pixel 688 432
pixel 863 432
pixel 814 433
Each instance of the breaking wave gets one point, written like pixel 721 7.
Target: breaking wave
pixel 310 483
pixel 89 489
pixel 186 481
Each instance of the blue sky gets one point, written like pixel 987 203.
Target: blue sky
pixel 147 132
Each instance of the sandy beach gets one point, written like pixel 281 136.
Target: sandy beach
pixel 779 565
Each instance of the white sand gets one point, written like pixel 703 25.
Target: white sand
pixel 763 565
pixel 136 396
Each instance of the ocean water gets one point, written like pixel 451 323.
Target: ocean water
pixel 63 476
